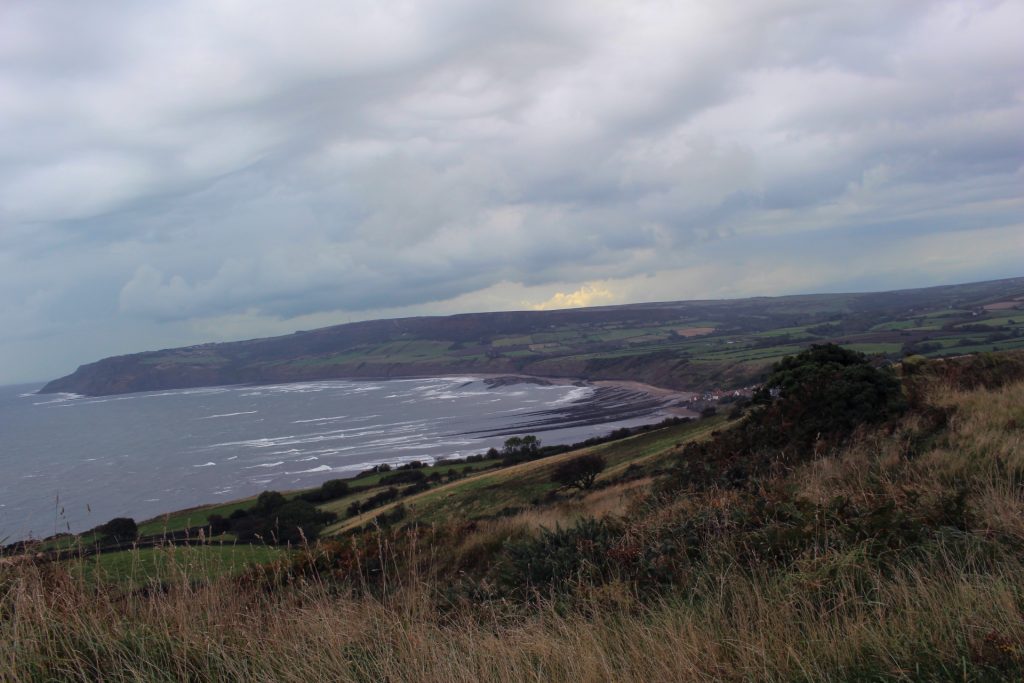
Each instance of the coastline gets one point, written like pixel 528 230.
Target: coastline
pixel 674 400
pixel 580 411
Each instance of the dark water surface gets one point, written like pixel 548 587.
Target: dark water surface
pixel 72 462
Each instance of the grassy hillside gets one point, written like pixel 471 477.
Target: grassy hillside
pixel 686 345
pixel 882 547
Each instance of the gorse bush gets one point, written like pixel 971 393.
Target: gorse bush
pixel 810 404
pixel 560 557
pixel 825 393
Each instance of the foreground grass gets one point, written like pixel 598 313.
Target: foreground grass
pixel 943 619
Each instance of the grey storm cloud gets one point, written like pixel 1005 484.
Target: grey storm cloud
pixel 177 171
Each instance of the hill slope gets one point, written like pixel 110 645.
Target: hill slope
pixel 678 345
pixel 889 550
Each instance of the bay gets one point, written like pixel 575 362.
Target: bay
pixel 69 463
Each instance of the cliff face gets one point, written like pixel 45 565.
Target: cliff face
pixel 126 374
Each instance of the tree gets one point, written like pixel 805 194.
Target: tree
pixel 331 489
pixel 267 502
pixel 120 530
pixel 579 472
pixel 294 521
pixel 826 392
pixel 520 448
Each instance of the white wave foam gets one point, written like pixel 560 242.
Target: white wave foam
pixel 574 395
pixel 319 419
pixel 312 457
pixel 322 468
pixel 206 464
pixel 266 464
pixel 62 397
pixel 244 412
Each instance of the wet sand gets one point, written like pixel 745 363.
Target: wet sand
pixel 611 401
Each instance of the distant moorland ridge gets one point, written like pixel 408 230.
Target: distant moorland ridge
pixel 689 345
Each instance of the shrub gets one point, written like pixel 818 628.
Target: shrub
pixel 119 530
pixel 409 476
pixel 329 490
pixel 267 502
pixel 579 472
pixel 334 488
pixel 218 525
pixel 560 558
pixel 386 496
pixel 519 449
pixel 292 522
pixel 827 391
pixel 810 402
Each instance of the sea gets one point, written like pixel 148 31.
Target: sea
pixel 69 463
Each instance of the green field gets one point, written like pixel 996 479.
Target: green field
pixel 497 491
pixel 143 565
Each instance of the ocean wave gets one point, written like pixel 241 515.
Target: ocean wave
pixel 244 412
pixel 404 427
pixel 62 397
pixel 266 464
pixel 321 468
pixel 574 395
pixel 206 464
pixel 319 419
pixel 184 392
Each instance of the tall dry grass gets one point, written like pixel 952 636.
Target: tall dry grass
pixel 929 620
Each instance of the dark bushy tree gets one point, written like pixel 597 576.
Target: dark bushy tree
pixel 519 449
pixel 827 391
pixel 331 489
pixel 119 530
pixel 811 401
pixel 274 519
pixel 580 472
pixel 293 522
pixel 267 502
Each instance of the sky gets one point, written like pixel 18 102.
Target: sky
pixel 179 172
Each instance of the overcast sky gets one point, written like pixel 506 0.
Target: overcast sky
pixel 179 172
